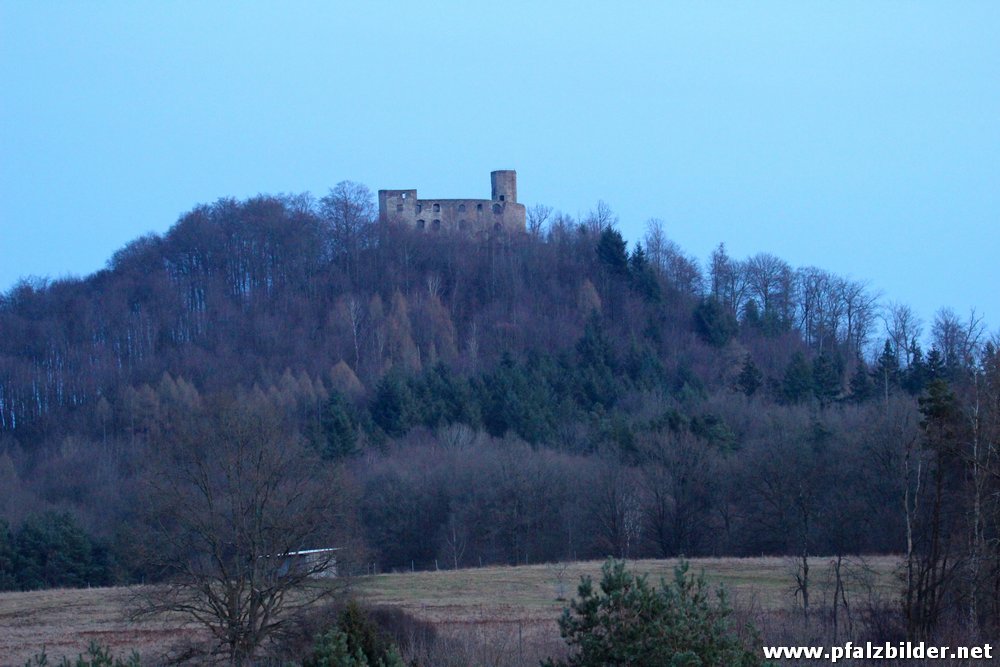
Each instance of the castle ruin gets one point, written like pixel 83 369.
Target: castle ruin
pixel 474 216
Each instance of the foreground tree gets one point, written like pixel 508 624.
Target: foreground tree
pixel 354 641
pixel 931 565
pixel 628 622
pixel 233 497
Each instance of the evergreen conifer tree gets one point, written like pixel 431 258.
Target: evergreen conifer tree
pixel 862 387
pixel 751 315
pixel 643 276
pixel 826 376
pixel 915 376
pixel 339 430
pixel 886 371
pixel 750 377
pixel 935 366
pixel 52 550
pixel 797 384
pixel 714 322
pixel 611 251
pixel 628 622
pixel 392 408
pixel 8 578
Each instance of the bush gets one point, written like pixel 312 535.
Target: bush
pixel 628 622
pixel 355 641
pixel 97 656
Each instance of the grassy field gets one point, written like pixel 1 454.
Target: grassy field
pixel 506 601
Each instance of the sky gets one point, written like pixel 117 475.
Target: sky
pixel 859 137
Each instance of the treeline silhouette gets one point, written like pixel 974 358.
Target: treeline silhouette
pixel 519 397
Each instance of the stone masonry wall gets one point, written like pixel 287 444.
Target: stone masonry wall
pixel 472 216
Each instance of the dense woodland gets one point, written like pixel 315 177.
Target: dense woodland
pixel 522 398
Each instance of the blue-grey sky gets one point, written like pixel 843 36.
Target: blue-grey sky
pixel 863 138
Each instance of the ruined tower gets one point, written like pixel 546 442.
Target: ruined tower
pixel 499 213
pixel 504 184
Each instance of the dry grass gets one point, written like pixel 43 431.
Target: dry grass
pixel 518 605
pixel 62 622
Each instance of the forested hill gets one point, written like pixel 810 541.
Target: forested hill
pixel 238 293
pixel 677 407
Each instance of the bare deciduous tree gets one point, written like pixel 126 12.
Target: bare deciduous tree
pixel 538 215
pixel 601 218
pixel 728 278
pixel 903 327
pixel 233 501
pixel 618 510
pixel 679 487
pixel 349 210
pixel 666 256
pixel 860 304
pixel 770 281
pixel 818 310
pixel 957 341
pixel 656 243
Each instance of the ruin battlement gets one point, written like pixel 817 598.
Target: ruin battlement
pixel 475 216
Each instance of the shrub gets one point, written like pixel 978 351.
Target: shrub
pixel 628 622
pixel 355 641
pixel 96 656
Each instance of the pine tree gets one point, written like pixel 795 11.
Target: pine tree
pixel 52 550
pixel 332 650
pixel 611 251
pixel 750 377
pixel 644 368
pixel 629 622
pixel 886 371
pixel 392 408
pixel 751 316
pixel 519 398
pixel 772 324
pixel 862 388
pixel 935 366
pixel 826 377
pixel 915 377
pixel 355 641
pixel 594 375
pixel 714 322
pixel 8 578
pixel 442 398
pixel 339 432
pixel 642 276
pixel 797 385
pixel 942 425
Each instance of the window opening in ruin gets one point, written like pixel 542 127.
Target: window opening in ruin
pixel 420 224
pixel 399 208
pixel 479 207
pixel 437 207
pixel 436 224
pixel 501 197
pixel 497 209
pixel 461 208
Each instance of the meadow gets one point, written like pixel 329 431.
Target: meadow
pixel 490 613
